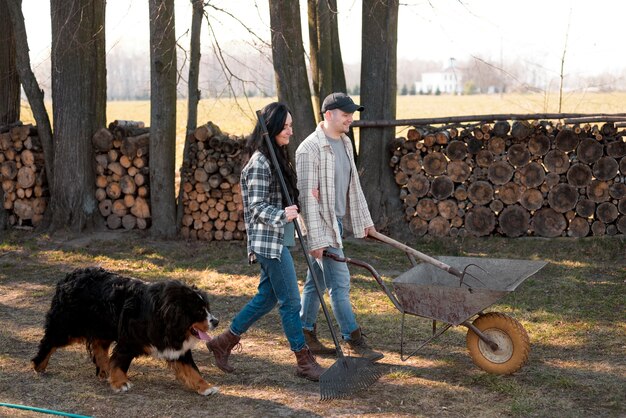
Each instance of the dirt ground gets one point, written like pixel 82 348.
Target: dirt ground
pixel 577 366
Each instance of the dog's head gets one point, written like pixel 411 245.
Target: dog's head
pixel 186 310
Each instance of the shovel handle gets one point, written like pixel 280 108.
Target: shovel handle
pixel 427 259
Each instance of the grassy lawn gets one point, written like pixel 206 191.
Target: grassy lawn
pixel 573 310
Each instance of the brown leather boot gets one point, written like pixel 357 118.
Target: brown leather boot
pixel 314 344
pixel 357 345
pixel 221 346
pixel 307 365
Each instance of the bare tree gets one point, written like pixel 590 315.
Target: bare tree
pixel 326 60
pixel 79 97
pixel 289 67
pixel 9 80
pixel 162 117
pixel 378 96
pixel 193 95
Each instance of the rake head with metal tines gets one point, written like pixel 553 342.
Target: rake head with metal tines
pixel 347 376
pixel 466 273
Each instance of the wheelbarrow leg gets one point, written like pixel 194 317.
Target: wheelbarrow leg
pixel 405 358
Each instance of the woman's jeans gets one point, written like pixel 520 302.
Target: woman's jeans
pixel 336 278
pixel 278 285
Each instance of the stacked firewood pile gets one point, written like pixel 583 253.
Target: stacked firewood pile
pixel 541 178
pixel 23 176
pixel 123 174
pixel 212 202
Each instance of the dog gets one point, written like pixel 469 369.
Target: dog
pixel 98 307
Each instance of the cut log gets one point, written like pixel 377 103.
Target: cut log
pixel 119 208
pixel 460 193
pixel 566 140
pixel 458 171
pixel 447 208
pixel 127 185
pixel 509 193
pixel 607 212
pixel 456 150
pixel 616 149
pixel 473 145
pixel 521 130
pixel 442 137
pixel 27 157
pixel 418 185
pixel 551 180
pixel 496 206
pixel 480 221
pixel 129 222
pixel 548 223
pixel 116 168
pixel 410 163
pixel 136 146
pixel 617 190
pixel 438 227
pixel 484 158
pixel 8 170
pixel 578 227
pixel 501 172
pixel 414 134
pixel 426 209
pixel 598 228
pixel 101 194
pixel 514 221
pixel 418 226
pixel 622 166
pixel 532 175
pixel 113 221
pixel 140 209
pixel 585 208
pixel 102 140
pixel 114 191
pixel 539 145
pixel 621 224
pixel 518 155
pixel 501 128
pixel 563 197
pixel 480 193
pixel 435 163
pixel 531 199
pixel 579 175
pixel 441 187
pixel 621 205
pixel 401 178
pixel 26 177
pixel 556 161
pixel 496 145
pixel 589 151
pixel 23 209
pixel 605 168
pixel 105 207
pixel 598 191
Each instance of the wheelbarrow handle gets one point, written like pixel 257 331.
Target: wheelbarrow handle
pixel 427 259
pixel 372 271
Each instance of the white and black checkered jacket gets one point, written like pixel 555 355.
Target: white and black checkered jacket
pixel 262 208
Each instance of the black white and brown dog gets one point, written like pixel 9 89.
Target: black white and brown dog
pixel 97 307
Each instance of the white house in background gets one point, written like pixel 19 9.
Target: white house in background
pixel 448 81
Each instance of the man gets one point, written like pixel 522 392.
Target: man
pixel 331 196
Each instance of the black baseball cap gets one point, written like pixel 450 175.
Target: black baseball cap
pixel 340 101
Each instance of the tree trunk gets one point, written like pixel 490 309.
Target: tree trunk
pixel 79 96
pixel 10 81
pixel 289 68
pixel 33 92
pixel 194 97
pixel 378 96
pixel 162 117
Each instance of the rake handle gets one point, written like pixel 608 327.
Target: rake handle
pixel 303 245
pixel 414 252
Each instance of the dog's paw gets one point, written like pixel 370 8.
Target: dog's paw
pixel 209 391
pixel 124 387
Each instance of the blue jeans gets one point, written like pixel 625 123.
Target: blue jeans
pixel 336 278
pixel 278 285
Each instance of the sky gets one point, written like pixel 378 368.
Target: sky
pixel 537 31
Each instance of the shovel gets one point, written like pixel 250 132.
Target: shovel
pixel 348 374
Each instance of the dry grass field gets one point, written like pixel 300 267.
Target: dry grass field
pixel 237 116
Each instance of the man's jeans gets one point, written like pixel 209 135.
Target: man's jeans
pixel 278 285
pixel 336 278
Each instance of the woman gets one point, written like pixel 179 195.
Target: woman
pixel 266 215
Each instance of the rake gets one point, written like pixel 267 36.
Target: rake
pixel 348 374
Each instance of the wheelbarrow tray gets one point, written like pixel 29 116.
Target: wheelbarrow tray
pixel 428 291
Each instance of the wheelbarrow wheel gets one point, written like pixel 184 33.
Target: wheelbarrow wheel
pixel 511 337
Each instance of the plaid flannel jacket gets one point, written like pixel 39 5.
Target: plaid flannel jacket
pixel 315 164
pixel 262 208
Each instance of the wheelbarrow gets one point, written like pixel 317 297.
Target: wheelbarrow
pixel 455 291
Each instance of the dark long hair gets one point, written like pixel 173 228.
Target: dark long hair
pixel 275 115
